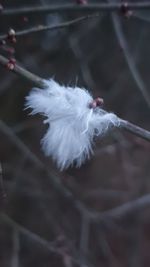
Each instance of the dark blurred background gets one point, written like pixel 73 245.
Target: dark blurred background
pixel 48 218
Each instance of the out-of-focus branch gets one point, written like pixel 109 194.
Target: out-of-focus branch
pixel 53 178
pixel 128 208
pixel 55 181
pixel 129 59
pixel 84 237
pixel 120 211
pixel 107 7
pixel 31 235
pixel 41 28
pixel 2 190
pixel 15 248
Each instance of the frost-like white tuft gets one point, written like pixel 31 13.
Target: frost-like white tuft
pixel 72 124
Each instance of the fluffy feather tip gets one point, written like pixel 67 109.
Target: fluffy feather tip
pixel 72 123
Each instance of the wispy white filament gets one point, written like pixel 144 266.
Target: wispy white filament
pixel 72 124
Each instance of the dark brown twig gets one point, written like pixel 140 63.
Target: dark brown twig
pixel 36 80
pixel 107 7
pixel 42 28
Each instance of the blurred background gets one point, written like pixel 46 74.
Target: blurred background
pixel 99 214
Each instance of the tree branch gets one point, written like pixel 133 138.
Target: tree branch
pixel 136 130
pixel 42 28
pixel 107 7
pixel 129 59
pixel 37 239
pixel 127 208
pixel 39 82
pixel 120 211
pixel 36 80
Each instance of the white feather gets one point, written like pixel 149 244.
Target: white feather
pixel 72 124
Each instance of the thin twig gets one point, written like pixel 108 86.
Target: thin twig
pixel 41 28
pixel 31 235
pixel 132 128
pixel 37 239
pixel 136 130
pixel 128 208
pixel 120 211
pixel 23 73
pixel 107 7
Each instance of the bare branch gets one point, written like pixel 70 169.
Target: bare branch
pixel 36 80
pixel 129 207
pixel 33 236
pixel 107 7
pixel 138 131
pixel 40 83
pixel 41 28
pixel 122 210
pixel 36 238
